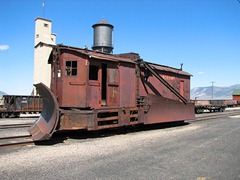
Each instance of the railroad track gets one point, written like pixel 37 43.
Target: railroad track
pixel 206 116
pixel 23 140
pixel 18 140
pixel 14 141
pixel 8 126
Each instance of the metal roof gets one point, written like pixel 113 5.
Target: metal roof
pixel 97 54
pixel 169 69
pixel 236 92
pixel 117 58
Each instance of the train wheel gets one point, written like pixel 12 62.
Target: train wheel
pixel 3 115
pixel 198 111
pixel 16 115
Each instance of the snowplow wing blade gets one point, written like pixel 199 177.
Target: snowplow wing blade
pixel 46 124
pixel 160 107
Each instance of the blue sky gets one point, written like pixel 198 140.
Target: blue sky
pixel 204 35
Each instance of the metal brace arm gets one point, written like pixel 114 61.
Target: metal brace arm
pixel 163 81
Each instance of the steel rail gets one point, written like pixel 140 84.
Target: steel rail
pixel 15 143
pixel 14 137
pixel 216 115
pixel 8 126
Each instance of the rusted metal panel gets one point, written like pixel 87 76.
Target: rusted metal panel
pixel 94 94
pixel 133 56
pixel 78 119
pixel 46 124
pixel 127 85
pixel 151 85
pixel 167 110
pixel 97 54
pixel 112 95
pixel 22 104
pixel 211 102
pixel 128 116
pixel 202 102
pixel 96 119
pixel 169 69
pixel 124 116
pixel 73 81
pixel 112 85
pixel 231 103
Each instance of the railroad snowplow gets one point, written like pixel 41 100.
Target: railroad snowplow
pixel 157 109
pixel 91 90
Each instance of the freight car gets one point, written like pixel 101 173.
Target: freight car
pixel 14 105
pixel 1 102
pixel 231 103
pixel 212 105
pixel 93 90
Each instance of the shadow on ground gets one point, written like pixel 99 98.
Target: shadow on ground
pixel 61 136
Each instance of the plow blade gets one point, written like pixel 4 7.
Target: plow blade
pixel 167 110
pixel 46 124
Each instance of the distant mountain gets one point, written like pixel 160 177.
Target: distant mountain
pixel 218 92
pixel 2 93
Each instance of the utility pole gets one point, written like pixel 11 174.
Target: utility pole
pixel 212 88
pixel 43 6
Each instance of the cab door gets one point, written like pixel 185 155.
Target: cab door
pixel 112 85
pixel 74 82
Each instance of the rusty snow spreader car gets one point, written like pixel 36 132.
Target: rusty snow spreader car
pixel 92 90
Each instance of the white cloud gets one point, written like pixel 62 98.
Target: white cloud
pixel 4 47
pixel 201 72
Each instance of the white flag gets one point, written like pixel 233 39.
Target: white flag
pixel 43 4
